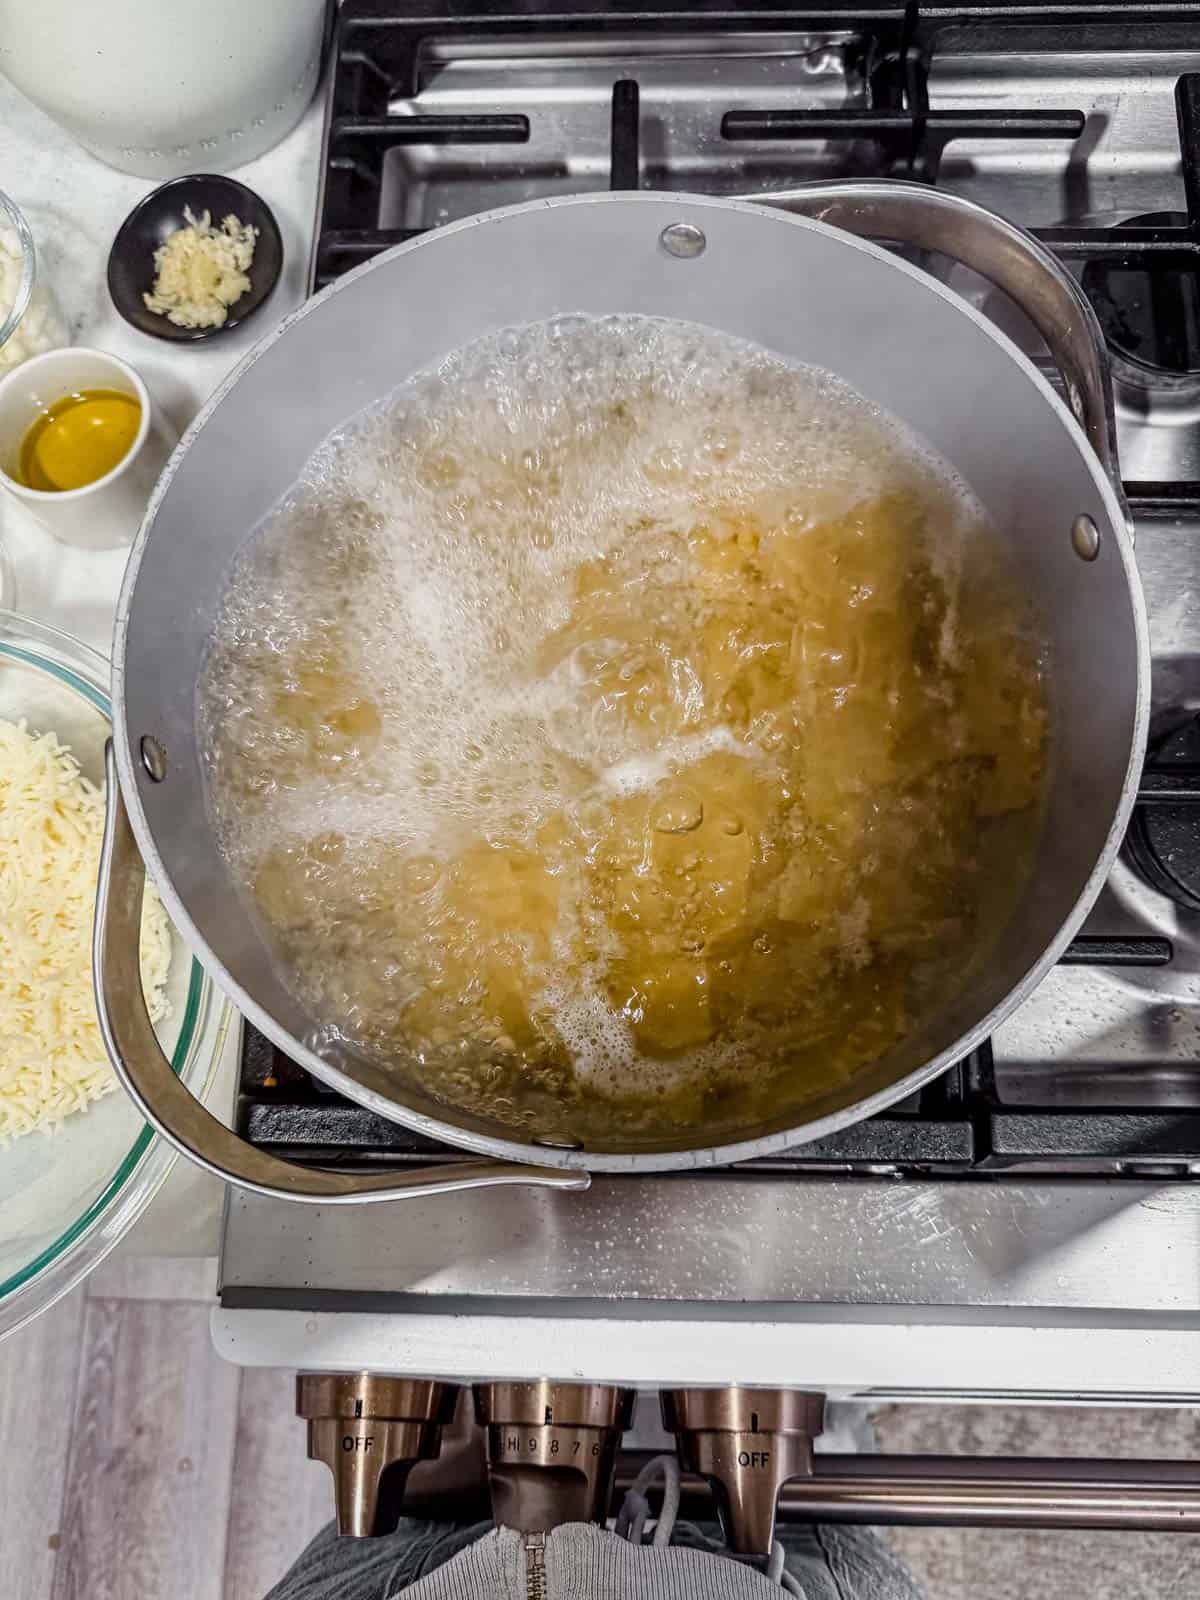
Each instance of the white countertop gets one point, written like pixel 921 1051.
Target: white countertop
pixel 75 205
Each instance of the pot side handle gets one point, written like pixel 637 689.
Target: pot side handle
pixel 148 1076
pixel 931 219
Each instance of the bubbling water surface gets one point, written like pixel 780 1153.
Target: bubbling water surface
pixel 609 726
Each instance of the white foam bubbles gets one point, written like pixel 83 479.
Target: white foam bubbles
pixel 418 576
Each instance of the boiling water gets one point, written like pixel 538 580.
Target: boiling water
pixel 610 725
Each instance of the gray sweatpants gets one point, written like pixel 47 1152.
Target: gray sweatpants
pixel 829 1563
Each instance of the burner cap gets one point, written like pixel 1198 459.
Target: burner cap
pixel 1163 842
pixel 1150 318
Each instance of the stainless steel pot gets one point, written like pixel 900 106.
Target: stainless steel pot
pixel 799 286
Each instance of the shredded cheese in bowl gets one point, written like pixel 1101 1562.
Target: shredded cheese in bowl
pixel 52 1058
pixel 202 270
pixel 41 326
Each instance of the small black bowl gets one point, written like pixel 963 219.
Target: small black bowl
pixel 160 214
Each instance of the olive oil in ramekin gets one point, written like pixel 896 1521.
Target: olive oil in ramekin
pixel 78 440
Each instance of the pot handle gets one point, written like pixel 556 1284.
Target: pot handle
pixel 148 1076
pixel 931 219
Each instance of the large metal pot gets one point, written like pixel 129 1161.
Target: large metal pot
pixel 801 287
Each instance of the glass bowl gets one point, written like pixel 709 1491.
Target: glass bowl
pixel 32 322
pixel 11 217
pixel 68 1196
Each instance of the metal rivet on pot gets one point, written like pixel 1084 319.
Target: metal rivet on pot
pixel 1085 537
pixel 683 239
pixel 154 758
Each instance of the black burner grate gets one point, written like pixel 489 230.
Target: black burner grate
pixel 958 1125
pixel 379 50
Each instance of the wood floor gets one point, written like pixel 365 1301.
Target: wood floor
pixel 134 1465
pixel 1010 1564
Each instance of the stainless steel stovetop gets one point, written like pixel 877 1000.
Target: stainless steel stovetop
pixel 861 1274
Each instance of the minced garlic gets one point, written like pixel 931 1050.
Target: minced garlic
pixel 201 271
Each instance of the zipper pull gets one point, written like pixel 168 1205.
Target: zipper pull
pixel 535 1566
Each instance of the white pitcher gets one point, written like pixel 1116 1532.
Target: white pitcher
pixel 160 88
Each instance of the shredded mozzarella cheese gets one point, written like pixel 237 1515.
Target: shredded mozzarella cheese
pixel 41 328
pixel 52 1059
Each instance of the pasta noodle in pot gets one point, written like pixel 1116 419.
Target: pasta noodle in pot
pixel 618 723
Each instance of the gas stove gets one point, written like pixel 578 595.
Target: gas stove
pixel 1049 1175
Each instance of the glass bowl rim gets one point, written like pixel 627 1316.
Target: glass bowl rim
pixel 85 671
pixel 11 212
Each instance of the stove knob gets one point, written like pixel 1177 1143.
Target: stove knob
pixel 747 1443
pixel 552 1450
pixel 370 1432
